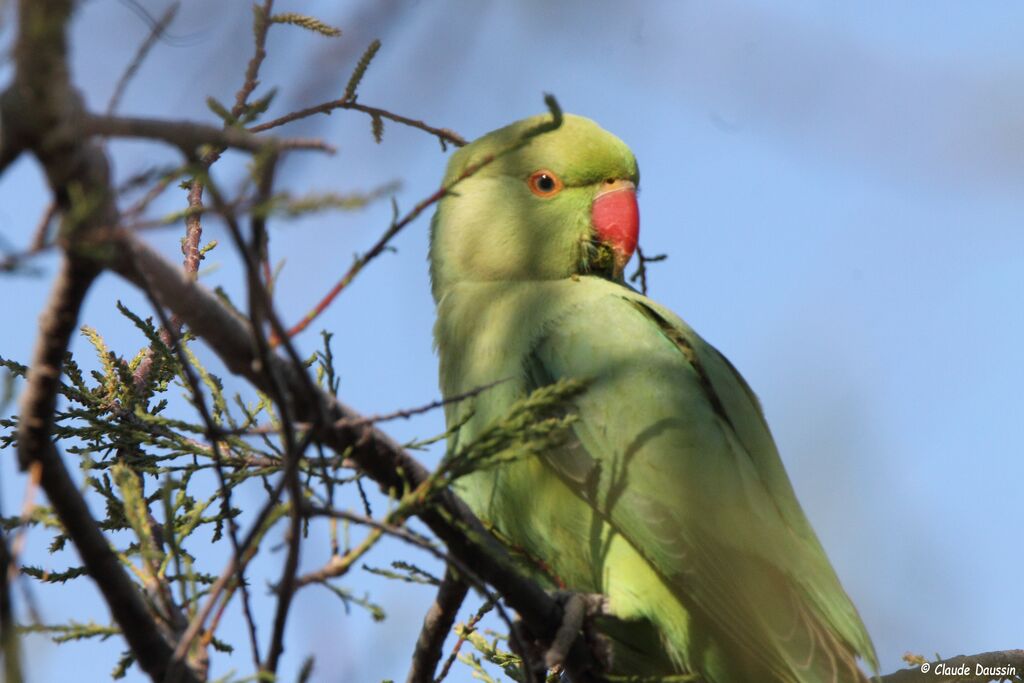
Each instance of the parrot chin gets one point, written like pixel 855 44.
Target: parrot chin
pixel 615 217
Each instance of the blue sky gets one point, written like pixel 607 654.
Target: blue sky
pixel 836 185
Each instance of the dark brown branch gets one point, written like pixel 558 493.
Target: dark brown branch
pixel 465 631
pixel 339 564
pixel 436 625
pixel 407 413
pixel 398 224
pixel 261 309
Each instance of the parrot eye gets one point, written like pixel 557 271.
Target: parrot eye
pixel 544 183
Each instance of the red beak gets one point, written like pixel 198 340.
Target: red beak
pixel 616 219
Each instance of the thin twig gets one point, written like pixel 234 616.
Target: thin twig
pixel 363 421
pixel 260 309
pixel 143 202
pixel 43 108
pixel 390 528
pixel 397 225
pixel 464 569
pixel 189 136
pixel 339 565
pixel 641 267
pixel 156 30
pixel 437 623
pixel 42 233
pixel 261 25
pixel 1004 665
pixel 190 250
pixel 213 434
pixel 193 229
pixel 470 626
pixel 407 413
pixel 235 565
pixel 443 134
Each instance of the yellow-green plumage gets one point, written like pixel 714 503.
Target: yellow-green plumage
pixel 670 498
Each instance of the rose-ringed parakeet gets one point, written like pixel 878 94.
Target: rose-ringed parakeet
pixel 669 498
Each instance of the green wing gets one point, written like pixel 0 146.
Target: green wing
pixel 674 452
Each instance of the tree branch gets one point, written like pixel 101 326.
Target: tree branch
pixel 437 623
pixel 151 650
pixel 189 136
pixel 377 455
pixel 140 55
pixel 442 134
pixel 42 111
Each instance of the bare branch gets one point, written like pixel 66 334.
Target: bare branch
pixel 189 136
pixel 641 267
pixel 235 565
pixel 39 238
pixel 443 134
pixel 436 625
pixel 572 622
pixel 156 30
pixel 38 402
pixel 56 325
pixel 469 627
pixel 260 309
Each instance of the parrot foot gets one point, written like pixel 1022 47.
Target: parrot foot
pixel 577 611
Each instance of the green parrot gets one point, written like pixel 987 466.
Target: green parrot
pixel 669 498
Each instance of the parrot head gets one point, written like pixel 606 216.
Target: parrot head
pixel 562 204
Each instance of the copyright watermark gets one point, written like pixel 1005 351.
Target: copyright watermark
pixel 979 669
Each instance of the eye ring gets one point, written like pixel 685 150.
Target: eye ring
pixel 544 183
